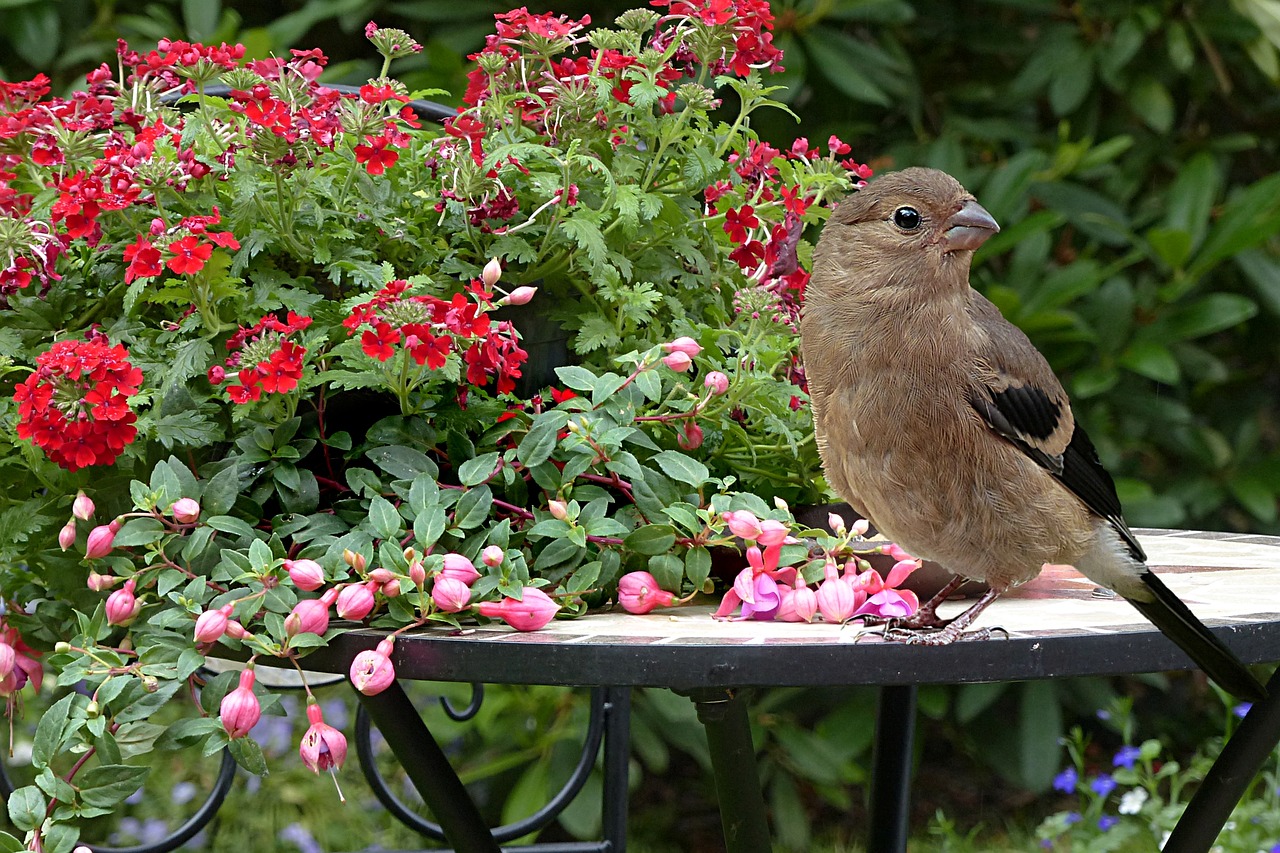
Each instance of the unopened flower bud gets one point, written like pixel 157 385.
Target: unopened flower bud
pixel 185 510
pixel 716 382
pixel 67 535
pixel 690 437
pixel 522 295
pixel 684 344
pixel 772 532
pixel 240 709
pixel 492 556
pixel 212 624
pixel 382 575
pixel 639 592
pixel 559 509
pixel 101 583
pixel 306 574
pixel 82 507
pixel 93 709
pixel 491 273
pixel 836 600
pixel 410 555
pixel 860 527
pixel 356 601
pixel 450 594
pixel 372 671
pixel 309 616
pixel 100 541
pixel 743 524
pixel 533 611
pixel 678 361
pixel 122 605
pixel 391 588
pixel 216 374
pixel 236 631
pixel 836 523
pixel 459 567
pixel 354 560
pixel 417 573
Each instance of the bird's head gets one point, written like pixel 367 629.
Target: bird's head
pixel 901 221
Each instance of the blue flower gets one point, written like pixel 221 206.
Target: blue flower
pixel 1126 756
pixel 1107 821
pixel 1066 781
pixel 1073 818
pixel 299 836
pixel 1102 784
pixel 1242 709
pixel 183 792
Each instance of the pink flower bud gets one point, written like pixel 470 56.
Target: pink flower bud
pixel 893 550
pixel 798 605
pixel 533 611
pixel 185 510
pixel 8 658
pixel 860 527
pixel 102 583
pixel 836 523
pixel 354 560
pixel 772 532
pixel 716 382
pixel 522 295
pixel 459 567
pixel 491 273
pixel 323 747
pixel 450 594
pixel 122 605
pixel 240 709
pixel 236 631
pixel 100 539
pixel 309 616
pixel 678 361
pixel 417 573
pixel 558 509
pixel 216 374
pixel 391 588
pixel 690 438
pixel 82 507
pixel 212 624
pixel 67 535
pixel 305 574
pixel 743 524
pixel 381 575
pixel 684 344
pixel 492 556
pixel 372 671
pixel 836 600
pixel 639 592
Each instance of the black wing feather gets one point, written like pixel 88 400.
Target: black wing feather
pixel 1084 475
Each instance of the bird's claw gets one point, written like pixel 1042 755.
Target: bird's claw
pixel 943 637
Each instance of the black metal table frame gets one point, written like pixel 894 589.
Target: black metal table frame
pixel 718 692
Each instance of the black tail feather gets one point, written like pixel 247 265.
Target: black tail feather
pixel 1168 613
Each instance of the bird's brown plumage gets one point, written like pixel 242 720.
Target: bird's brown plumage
pixel 941 422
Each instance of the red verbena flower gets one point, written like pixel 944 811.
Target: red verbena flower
pixel 189 255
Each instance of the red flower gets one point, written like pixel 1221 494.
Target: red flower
pixel 375 155
pixel 379 341
pixel 143 259
pixel 738 222
pixel 425 348
pixel 75 405
pixel 189 255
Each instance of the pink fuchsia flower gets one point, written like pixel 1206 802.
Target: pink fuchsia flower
pixel 372 671
pixel 893 550
pixel 678 361
pixel 8 659
pixel 323 747
pixel 100 540
pixel 240 709
pixel 122 605
pixel 837 599
pixel 890 604
pixel 101 583
pixel 532 611
pixel 522 295
pixel 305 574
pixel 716 382
pixel 684 344
pixel 67 535
pixel 690 436
pixel 460 568
pixel 185 511
pixel 356 600
pixel 26 664
pixel 900 572
pixel 311 615
pixel 417 573
pixel 639 592
pixel 860 527
pixel 82 507
pixel 492 556
pixel 212 624
pixel 450 594
pixel 559 509
pixel 772 532
pixel 382 576
pixel 868 582
pixel 743 524
pixel 491 273
pixel 798 604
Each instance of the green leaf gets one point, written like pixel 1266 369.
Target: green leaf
pixel 833 54
pixel 110 785
pixel 1153 104
pixel 1039 731
pixel 539 443
pixel 577 378
pixel 50 732
pixel 1213 313
pixel 139 531
pixel 1190 200
pixel 473 507
pixel 384 519
pixel 1152 360
pixel 27 807
pixel 668 570
pixel 187 429
pixel 557 551
pixel 61 837
pixel 221 491
pixel 651 539
pixel 248 755
pixel 232 525
pixel 475 471
pixel 429 525
pixel 401 462
pixel 201 17
pixel 680 467
pixel 697 565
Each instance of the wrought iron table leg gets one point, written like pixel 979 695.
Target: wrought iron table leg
pixel 723 714
pixel 429 769
pixel 617 766
pixel 1226 781
pixel 891 769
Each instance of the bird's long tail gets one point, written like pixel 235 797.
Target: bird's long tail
pixel 1168 613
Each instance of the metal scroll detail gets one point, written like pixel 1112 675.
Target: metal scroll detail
pixel 181 835
pixel 603 704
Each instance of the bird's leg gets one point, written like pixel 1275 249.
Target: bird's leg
pixel 954 629
pixel 927 615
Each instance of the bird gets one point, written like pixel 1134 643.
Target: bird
pixel 940 422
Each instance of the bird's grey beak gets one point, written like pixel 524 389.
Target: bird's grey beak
pixel 968 228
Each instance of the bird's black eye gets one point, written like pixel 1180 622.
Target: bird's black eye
pixel 907 218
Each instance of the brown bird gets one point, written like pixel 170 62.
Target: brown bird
pixel 942 424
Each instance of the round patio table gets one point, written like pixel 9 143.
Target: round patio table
pixel 1059 625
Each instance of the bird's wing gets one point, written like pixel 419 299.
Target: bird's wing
pixel 1016 393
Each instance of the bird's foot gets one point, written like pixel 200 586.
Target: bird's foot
pixel 951 633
